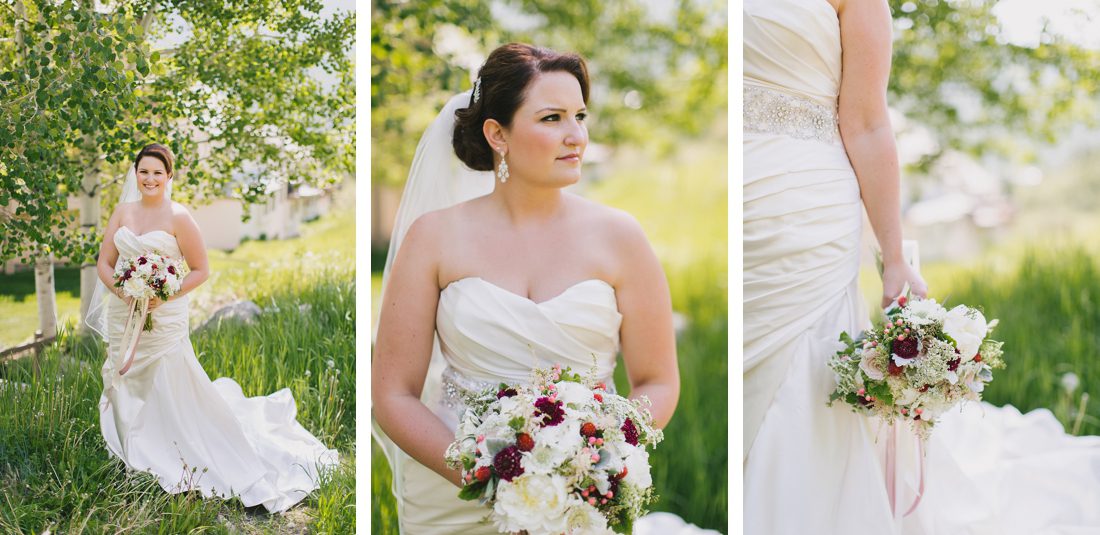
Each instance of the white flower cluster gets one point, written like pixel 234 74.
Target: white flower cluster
pixel 562 455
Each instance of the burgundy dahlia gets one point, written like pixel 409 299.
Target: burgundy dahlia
pixel 630 431
pixel 507 463
pixel 172 269
pixel 954 364
pixel 142 260
pixel 506 393
pixel 906 348
pixel 551 411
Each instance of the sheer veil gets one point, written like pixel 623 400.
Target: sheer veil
pixel 437 179
pixel 96 317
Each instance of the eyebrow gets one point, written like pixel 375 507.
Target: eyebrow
pixel 563 110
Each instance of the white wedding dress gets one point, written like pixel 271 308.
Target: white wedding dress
pixel 165 416
pixel 809 468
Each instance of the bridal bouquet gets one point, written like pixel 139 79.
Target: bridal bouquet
pixel 142 278
pixel 919 364
pixel 146 276
pixel 562 455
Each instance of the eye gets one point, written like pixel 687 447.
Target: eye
pixel 582 116
pixel 553 117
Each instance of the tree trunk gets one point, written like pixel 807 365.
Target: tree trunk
pixel 44 292
pixel 89 219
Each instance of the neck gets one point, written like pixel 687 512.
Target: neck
pixel 523 203
pixel 152 201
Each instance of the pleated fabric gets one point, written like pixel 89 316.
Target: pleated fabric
pixel 166 417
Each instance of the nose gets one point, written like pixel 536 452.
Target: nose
pixel 576 136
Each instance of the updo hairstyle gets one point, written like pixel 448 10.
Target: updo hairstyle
pixel 505 77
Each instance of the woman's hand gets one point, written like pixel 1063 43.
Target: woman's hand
pixel 894 277
pixel 154 303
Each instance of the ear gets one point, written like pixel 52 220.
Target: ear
pixel 495 134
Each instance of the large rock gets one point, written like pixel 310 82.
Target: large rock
pixel 244 311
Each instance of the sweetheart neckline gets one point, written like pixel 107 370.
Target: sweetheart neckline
pixel 528 299
pixel 120 227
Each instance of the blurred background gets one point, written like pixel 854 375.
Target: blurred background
pixel 658 149
pixel 256 100
pixel 995 108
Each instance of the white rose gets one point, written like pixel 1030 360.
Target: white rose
pixel 867 364
pixel 637 468
pixel 564 436
pixel 575 394
pixel 583 518
pixel 532 502
pixel 968 328
pixel 924 312
pixel 145 269
pixel 136 288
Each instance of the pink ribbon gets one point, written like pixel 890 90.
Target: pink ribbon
pixel 891 471
pixel 133 329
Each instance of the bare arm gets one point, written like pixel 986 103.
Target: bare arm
pixel 108 253
pixel 406 327
pixel 194 251
pixel 868 138
pixel 648 339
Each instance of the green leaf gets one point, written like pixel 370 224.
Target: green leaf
pixel 473 490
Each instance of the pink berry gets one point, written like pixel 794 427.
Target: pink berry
pixel 592 501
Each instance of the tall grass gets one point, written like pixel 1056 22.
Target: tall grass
pixel 56 474
pixel 1048 303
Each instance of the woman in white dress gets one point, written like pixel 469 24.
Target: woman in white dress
pixel 818 148
pixel 504 276
pixel 159 411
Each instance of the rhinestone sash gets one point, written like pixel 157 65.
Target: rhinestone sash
pixel 773 112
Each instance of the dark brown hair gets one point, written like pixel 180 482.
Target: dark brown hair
pixel 158 151
pixel 505 77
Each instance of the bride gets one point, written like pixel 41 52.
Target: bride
pixel 159 412
pixel 501 273
pixel 818 149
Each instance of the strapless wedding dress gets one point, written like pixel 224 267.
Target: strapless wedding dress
pixel 809 468
pixel 487 335
pixel 166 417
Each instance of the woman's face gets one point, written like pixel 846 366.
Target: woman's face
pixel 152 177
pixel 547 138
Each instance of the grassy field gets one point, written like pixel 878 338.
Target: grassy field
pixel 681 203
pixel 54 467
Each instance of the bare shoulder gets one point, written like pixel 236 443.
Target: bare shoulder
pixel 617 226
pixel 182 218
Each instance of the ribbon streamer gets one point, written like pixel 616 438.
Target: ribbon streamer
pixel 891 471
pixel 132 334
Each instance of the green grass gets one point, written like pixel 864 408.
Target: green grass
pixel 680 201
pixel 19 308
pixel 54 467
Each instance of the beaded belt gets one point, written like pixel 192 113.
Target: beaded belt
pixel 768 111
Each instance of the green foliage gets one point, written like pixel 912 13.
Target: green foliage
pixel 955 72
pixel 65 93
pixel 81 90
pixel 673 70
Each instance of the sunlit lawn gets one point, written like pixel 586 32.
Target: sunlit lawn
pixel 54 467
